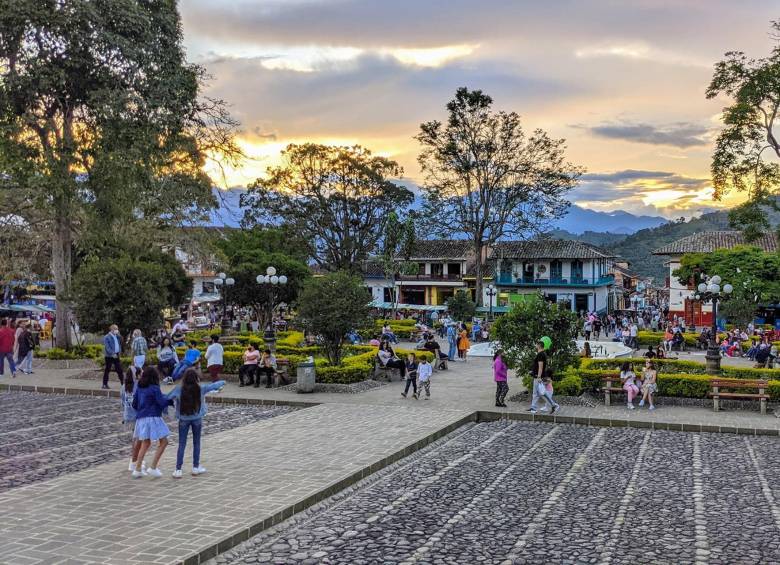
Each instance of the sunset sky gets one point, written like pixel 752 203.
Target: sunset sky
pixel 622 81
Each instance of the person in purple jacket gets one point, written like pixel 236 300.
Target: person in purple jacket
pixel 149 403
pixel 499 375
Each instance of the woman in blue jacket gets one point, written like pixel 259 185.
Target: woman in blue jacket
pixel 190 399
pixel 149 403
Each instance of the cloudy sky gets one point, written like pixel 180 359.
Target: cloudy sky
pixel 622 81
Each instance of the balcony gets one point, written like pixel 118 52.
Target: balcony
pixel 509 280
pixel 422 277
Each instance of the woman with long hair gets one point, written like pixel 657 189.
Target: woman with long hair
pixel 149 403
pixel 190 400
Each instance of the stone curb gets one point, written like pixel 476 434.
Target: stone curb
pixel 490 416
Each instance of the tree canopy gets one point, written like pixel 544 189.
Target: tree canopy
pixel 739 162
pixel 102 124
pixel 338 198
pixel 333 305
pixel 518 331
pixel 754 274
pixel 486 178
pixel 460 306
pixel 126 291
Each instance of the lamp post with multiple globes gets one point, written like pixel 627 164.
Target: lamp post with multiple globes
pixel 274 281
pixel 710 290
pixel 223 282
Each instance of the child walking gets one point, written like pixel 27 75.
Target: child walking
pixel 149 403
pixel 411 374
pixel 190 400
pixel 424 372
pixel 499 375
pixel 129 416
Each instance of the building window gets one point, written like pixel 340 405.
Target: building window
pixel 576 270
pixel 528 271
pixel 208 287
pixel 454 269
pixel 556 270
pixel 437 270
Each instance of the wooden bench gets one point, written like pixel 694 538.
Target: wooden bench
pixel 717 393
pixel 608 389
pixel 282 372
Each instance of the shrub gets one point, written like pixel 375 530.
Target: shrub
pixel 570 385
pixel 57 354
pixel 344 374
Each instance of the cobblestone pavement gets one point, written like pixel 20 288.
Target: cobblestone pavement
pixel 539 493
pixel 43 436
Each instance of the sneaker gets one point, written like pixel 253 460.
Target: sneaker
pixel 630 406
pixel 198 471
pixel 131 467
pixel 104 387
pixel 176 474
pixel 415 396
pixel 555 409
pixel 651 407
pixel 641 402
pixel 427 398
pixel 499 405
pixel 403 394
pixel 154 473
pixel 532 411
pixel 139 474
pixel 543 409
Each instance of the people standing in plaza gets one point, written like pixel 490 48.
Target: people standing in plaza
pixel 167 358
pixel 500 377
pixel 541 374
pixel 26 346
pixel 266 366
pixel 129 417
pixel 411 375
pixel 463 343
pixel 112 349
pixel 149 403
pixel 649 386
pixel 139 348
pixel 424 373
pixel 7 342
pixel 17 333
pixel 587 328
pixel 628 379
pixel 191 359
pixel 214 358
pixel 190 401
pixel 247 373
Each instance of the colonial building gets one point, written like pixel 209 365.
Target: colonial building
pixel 681 293
pixel 573 273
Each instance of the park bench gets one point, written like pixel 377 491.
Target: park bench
pixel 739 384
pixel 282 372
pixel 608 389
pixel 384 372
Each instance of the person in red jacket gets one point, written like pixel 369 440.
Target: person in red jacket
pixel 7 340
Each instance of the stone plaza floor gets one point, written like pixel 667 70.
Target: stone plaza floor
pixel 522 492
pixel 43 436
pixel 593 484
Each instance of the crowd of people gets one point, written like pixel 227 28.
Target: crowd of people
pixel 17 346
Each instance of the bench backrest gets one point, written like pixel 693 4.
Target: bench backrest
pixel 615 377
pixel 741 383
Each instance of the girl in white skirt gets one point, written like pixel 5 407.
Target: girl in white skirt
pixel 149 403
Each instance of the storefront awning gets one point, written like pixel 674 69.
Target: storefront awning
pixel 418 307
pixel 496 309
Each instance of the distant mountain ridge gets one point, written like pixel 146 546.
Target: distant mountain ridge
pixel 578 220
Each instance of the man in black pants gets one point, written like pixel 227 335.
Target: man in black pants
pixel 112 349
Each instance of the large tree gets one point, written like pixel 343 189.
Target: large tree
pixel 101 122
pixel 754 274
pixel 339 198
pixel 747 148
pixel 485 178
pixel 397 247
pixel 332 306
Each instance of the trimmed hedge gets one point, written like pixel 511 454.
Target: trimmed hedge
pixel 674 366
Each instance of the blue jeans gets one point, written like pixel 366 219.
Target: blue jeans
pixel 184 429
pixel 25 362
pixel 178 370
pixel 10 356
pixel 453 352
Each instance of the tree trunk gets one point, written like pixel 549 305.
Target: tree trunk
pixel 61 259
pixel 478 269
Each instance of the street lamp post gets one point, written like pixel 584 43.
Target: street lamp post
pixel 491 292
pixel 223 282
pixel 710 290
pixel 274 280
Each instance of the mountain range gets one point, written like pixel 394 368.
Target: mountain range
pixel 577 221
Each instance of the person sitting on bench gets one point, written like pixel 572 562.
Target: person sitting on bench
pixel 388 359
pixel 433 346
pixel 268 368
pixel 248 370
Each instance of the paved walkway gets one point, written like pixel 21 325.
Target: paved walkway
pixel 263 472
pixel 257 475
